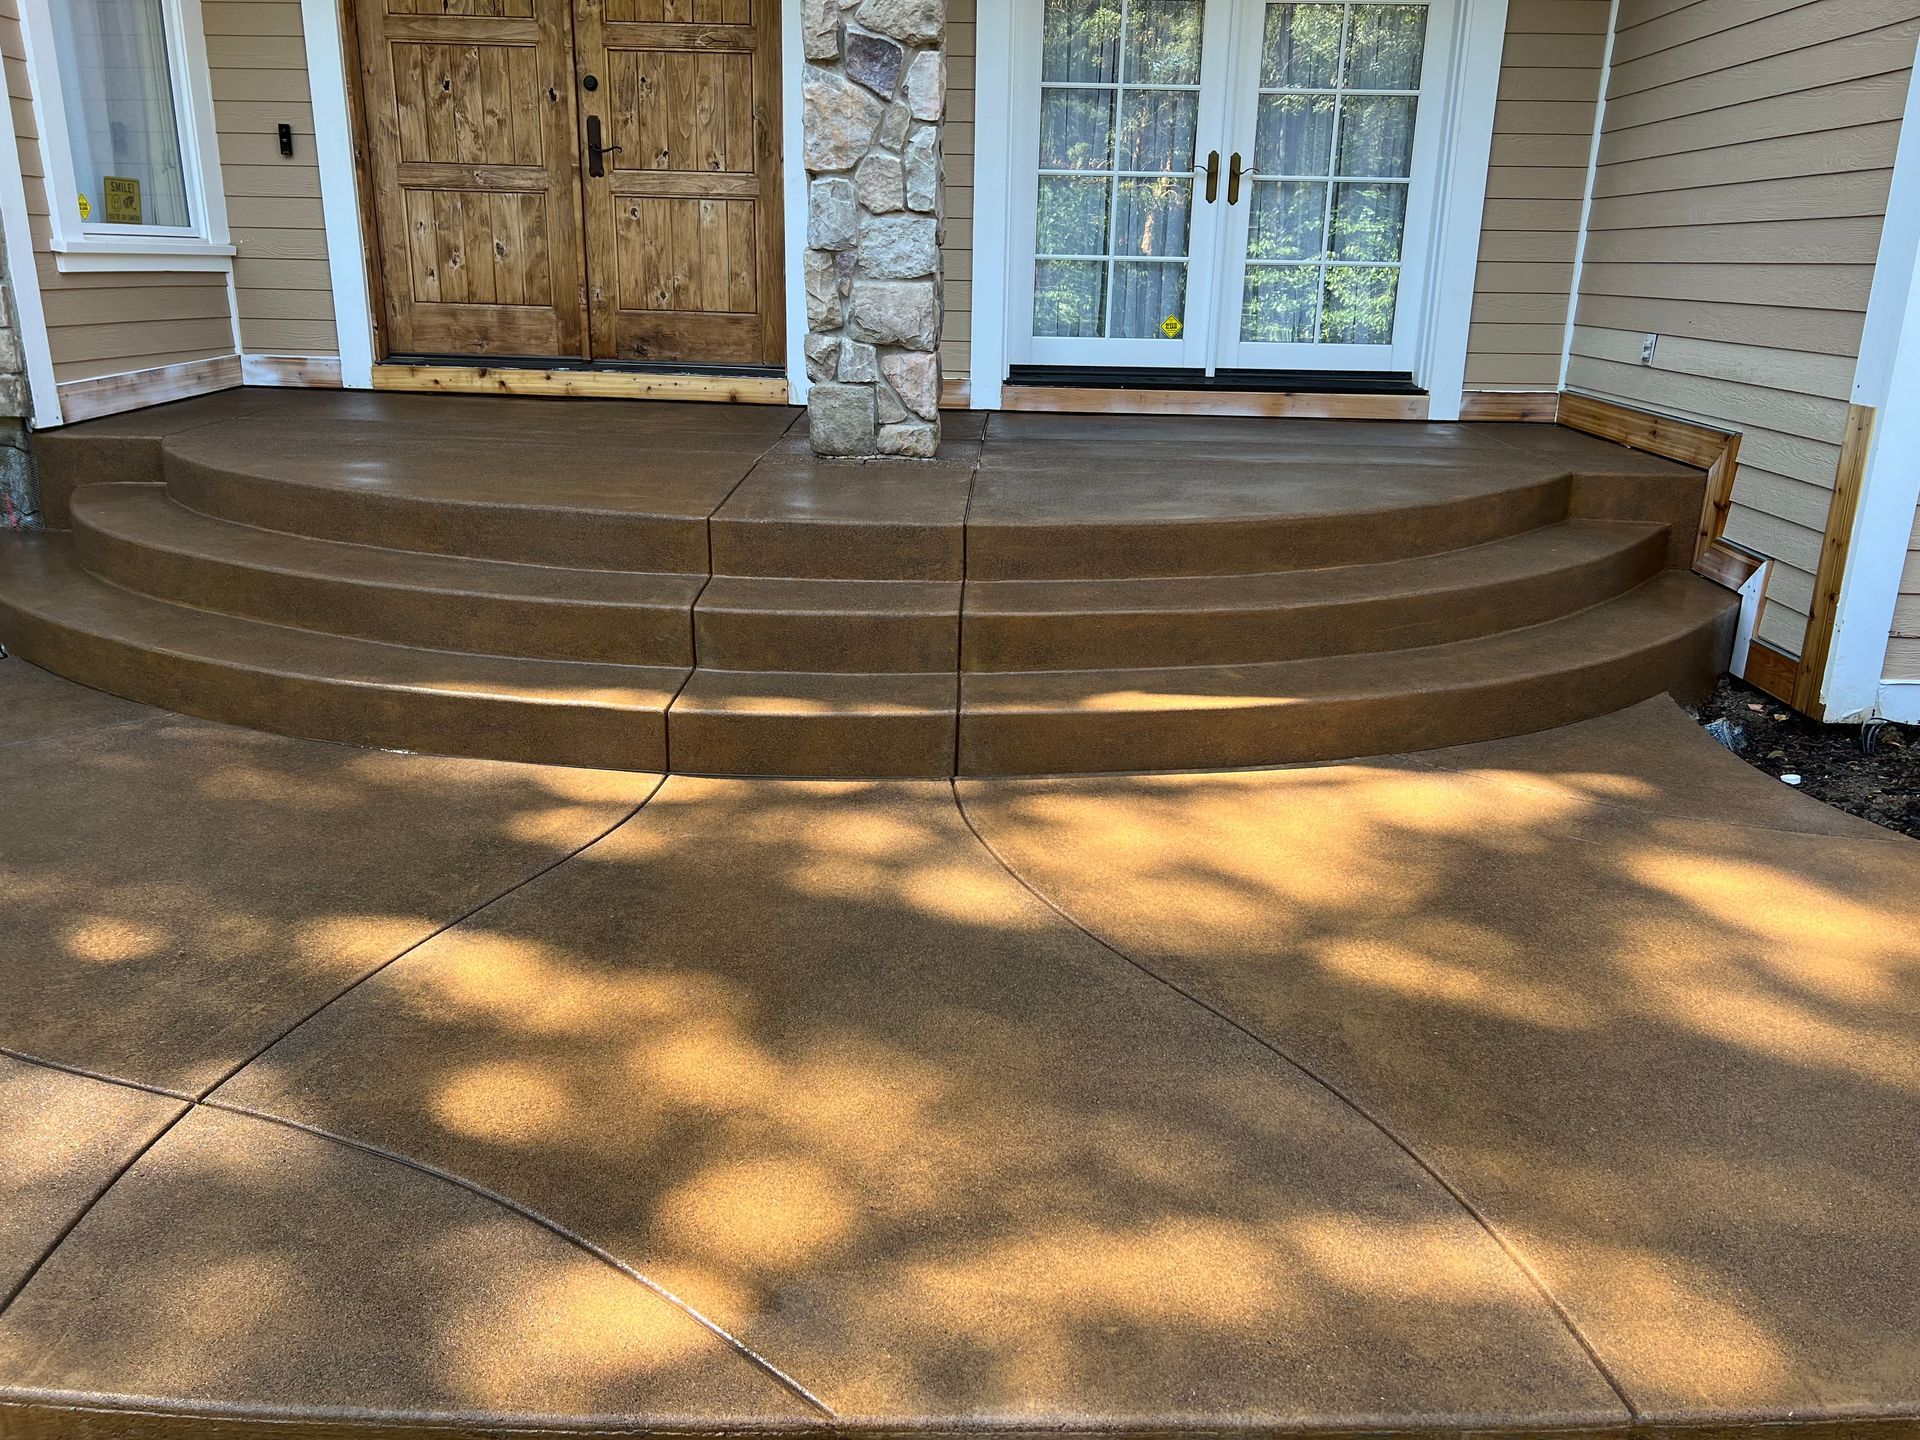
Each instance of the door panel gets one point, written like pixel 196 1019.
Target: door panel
pixel 683 227
pixel 1120 103
pixel 471 123
pixel 1326 116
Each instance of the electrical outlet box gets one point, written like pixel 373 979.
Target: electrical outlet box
pixel 1647 347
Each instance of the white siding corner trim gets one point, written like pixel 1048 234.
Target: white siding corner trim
pixel 1888 379
pixel 793 167
pixel 339 191
pixel 23 276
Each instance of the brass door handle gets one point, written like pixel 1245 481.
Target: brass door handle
pixel 1213 176
pixel 1233 180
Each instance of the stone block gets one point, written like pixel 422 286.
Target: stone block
pixel 917 22
pixel 927 85
pixel 911 437
pixel 898 247
pixel 840 420
pixel 839 120
pixel 823 291
pixel 823 356
pixel 895 312
pixel 922 168
pixel 893 126
pixel 859 364
pixel 881 183
pixel 820 29
pixel 833 214
pixel 875 62
pixel 915 378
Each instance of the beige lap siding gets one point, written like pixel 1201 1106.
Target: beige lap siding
pixel 107 324
pixel 1542 145
pixel 1744 170
pixel 1903 652
pixel 257 52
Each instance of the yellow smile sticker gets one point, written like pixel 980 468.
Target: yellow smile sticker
pixel 1171 327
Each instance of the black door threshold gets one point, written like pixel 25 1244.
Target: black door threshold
pixel 1292 382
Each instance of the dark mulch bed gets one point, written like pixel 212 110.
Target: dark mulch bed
pixel 1834 762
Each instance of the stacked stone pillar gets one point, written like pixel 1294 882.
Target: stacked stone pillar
pixel 875 92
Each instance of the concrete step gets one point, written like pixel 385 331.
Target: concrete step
pixel 1296 614
pixel 326 687
pixel 136 537
pixel 884 626
pixel 728 722
pixel 1669 634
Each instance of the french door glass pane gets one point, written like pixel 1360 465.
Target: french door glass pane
pixel 1119 118
pixel 1331 166
pixel 121 120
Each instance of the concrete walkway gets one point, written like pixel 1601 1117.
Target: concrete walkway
pixel 1568 1081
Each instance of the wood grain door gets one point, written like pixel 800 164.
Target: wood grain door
pixel 683 224
pixel 475 160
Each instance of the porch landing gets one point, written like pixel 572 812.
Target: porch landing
pixel 685 587
pixel 1563 1083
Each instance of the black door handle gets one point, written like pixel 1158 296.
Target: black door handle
pixel 1213 176
pixel 596 152
pixel 1233 180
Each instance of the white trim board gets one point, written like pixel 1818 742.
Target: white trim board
pixel 339 191
pixel 43 388
pixel 99 395
pixel 793 70
pixel 1887 378
pixel 1900 700
pixel 1586 194
pixel 992 162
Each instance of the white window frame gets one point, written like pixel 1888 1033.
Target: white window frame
pixel 95 245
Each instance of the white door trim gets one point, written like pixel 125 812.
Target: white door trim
pixel 793 159
pixel 347 259
pixel 1887 378
pixel 1466 145
pixel 23 275
pixel 1466 152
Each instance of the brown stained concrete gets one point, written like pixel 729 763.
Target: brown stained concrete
pixel 63 1138
pixel 1663 1035
pixel 175 893
pixel 1555 1083
pixel 257 1269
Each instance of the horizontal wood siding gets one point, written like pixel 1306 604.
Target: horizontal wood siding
pixel 106 324
pixel 258 55
pixel 1903 653
pixel 1744 169
pixel 1542 143
pixel 956 248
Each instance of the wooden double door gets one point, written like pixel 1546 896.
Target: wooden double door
pixel 576 179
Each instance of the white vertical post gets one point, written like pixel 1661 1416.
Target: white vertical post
pixel 339 192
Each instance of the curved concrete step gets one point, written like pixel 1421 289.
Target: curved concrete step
pixel 136 537
pixel 885 626
pixel 489 497
pixel 1012 625
pixel 326 687
pixel 1671 633
pixel 728 722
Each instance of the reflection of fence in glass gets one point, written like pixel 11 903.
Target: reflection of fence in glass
pixel 1332 160
pixel 1119 115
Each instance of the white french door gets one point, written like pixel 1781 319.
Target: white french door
pixel 1240 184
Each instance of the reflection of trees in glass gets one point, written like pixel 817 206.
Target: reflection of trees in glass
pixel 1279 303
pixel 1163 42
pixel 1368 221
pixel 1069 297
pixel 1072 216
pixel 1385 46
pixel 1157 130
pixel 1287 220
pixel 1358 308
pixel 1302 47
pixel 1376 135
pixel 1076 128
pixel 1080 40
pixel 1150 217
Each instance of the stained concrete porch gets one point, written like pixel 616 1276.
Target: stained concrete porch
pixel 1561 1082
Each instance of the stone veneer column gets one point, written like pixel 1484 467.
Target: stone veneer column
pixel 876 89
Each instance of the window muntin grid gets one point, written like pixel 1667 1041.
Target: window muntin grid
pixel 1331 166
pixel 1119 120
